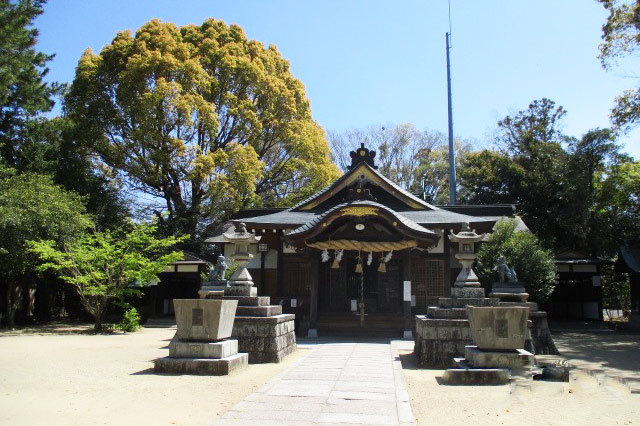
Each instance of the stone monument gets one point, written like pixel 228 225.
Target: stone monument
pixel 262 329
pixel 511 292
pixel 499 334
pixel 508 288
pixel 201 344
pixel 215 279
pixel 444 332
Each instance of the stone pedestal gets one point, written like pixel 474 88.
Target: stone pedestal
pixel 208 288
pixel 499 334
pixel 262 330
pixel 541 339
pixel 444 332
pixel 200 345
pixel 509 291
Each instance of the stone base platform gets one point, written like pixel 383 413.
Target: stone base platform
pixel 477 376
pixel 221 349
pixel 482 367
pixel 509 297
pixel 266 339
pixel 437 341
pixel 518 358
pixel 201 366
pixel 541 339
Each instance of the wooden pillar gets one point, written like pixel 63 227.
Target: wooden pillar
pixel 280 264
pixel 406 304
pixel 315 272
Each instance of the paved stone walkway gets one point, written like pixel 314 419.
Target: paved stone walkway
pixel 337 384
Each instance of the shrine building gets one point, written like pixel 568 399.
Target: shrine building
pixel 361 256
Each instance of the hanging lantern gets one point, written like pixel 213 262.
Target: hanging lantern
pixel 359 266
pixel 383 266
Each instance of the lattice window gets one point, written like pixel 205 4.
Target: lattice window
pixel 427 277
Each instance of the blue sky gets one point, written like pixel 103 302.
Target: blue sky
pixel 370 62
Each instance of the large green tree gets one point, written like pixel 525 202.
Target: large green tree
pixel 104 267
pixel 23 92
pixel 621 37
pixel 528 169
pixel 172 110
pixel 533 264
pixel 32 208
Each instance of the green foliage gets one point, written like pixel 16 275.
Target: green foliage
pixel 32 208
pixel 23 93
pixel 522 250
pixel 50 147
pixel 130 321
pixel 621 37
pixel 231 268
pixel 577 198
pixel 185 113
pixel 107 266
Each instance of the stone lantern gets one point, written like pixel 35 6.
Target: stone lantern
pixel 240 282
pixel 467 280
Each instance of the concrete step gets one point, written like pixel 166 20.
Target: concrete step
pixel 448 313
pixel 259 311
pixel 461 302
pixel 250 300
pixel 477 376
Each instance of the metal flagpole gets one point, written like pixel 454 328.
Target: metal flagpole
pixel 452 155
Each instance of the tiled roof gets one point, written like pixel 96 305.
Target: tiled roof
pixel 315 221
pixel 422 217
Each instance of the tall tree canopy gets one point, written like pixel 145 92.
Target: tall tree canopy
pixel 573 193
pixel 528 169
pixel 620 37
pixel 23 93
pixel 183 113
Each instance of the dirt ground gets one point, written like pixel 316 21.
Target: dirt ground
pixel 64 376
pixel 580 402
pixel 60 376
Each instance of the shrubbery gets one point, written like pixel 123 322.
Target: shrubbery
pixel 522 250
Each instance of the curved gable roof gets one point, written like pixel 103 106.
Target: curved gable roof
pixel 374 177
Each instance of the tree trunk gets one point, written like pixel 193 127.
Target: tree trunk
pixel 98 316
pixel 11 312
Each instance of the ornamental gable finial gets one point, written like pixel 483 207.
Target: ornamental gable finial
pixel 362 155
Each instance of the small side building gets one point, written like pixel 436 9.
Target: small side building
pixel 179 280
pixel 629 262
pixel 578 292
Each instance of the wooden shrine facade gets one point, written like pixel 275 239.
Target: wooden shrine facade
pixel 362 242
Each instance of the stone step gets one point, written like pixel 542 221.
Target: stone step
pixel 461 302
pixel 533 306
pixel 475 292
pixel 250 300
pixel 518 358
pixel 259 311
pixel 448 313
pixel 460 362
pixel 211 350
pixel 477 376
pixel 201 366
